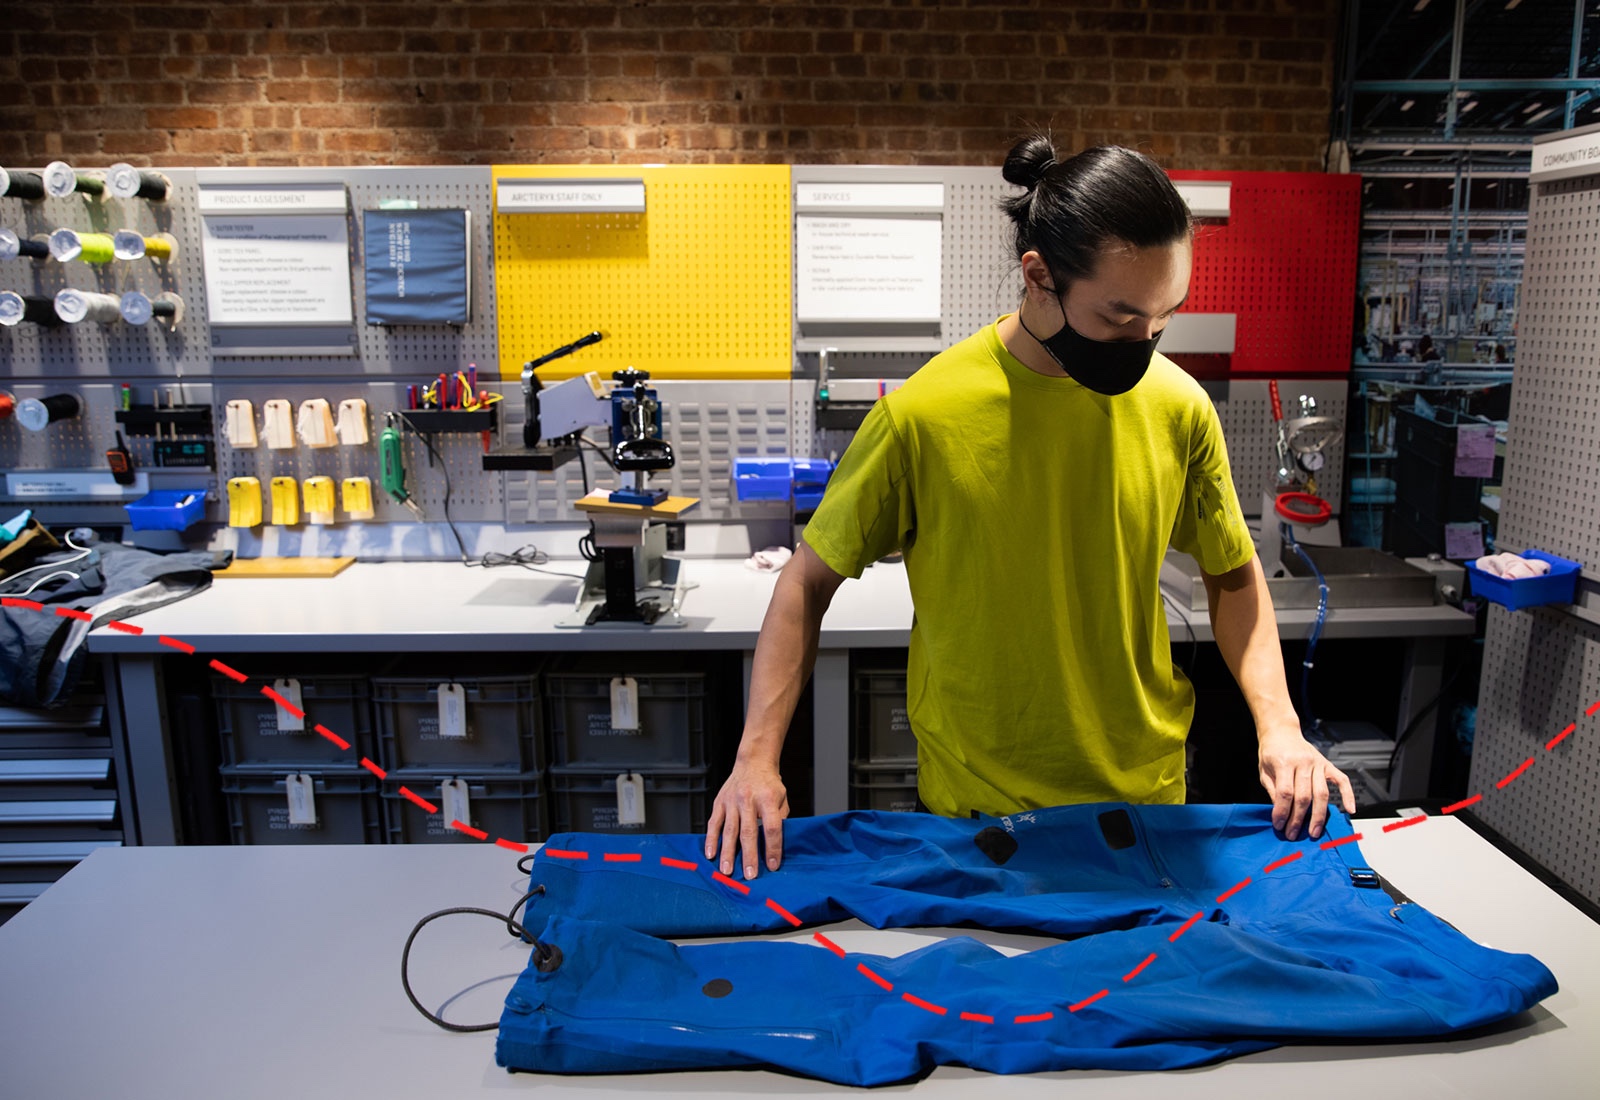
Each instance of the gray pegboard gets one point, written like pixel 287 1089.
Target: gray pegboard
pixel 1541 667
pixel 709 424
pixel 1541 671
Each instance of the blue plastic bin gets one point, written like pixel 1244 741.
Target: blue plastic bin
pixel 801 480
pixel 1559 586
pixel 167 509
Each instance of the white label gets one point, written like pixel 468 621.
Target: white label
pixel 624 703
pixel 302 800
pixel 290 690
pixel 567 196
pixel 630 799
pixel 71 485
pixel 268 199
pixel 277 269
pixel 868 268
pixel 452 711
pixel 454 801
pixel 1206 198
pixel 907 197
pixel 1201 333
pixel 1568 156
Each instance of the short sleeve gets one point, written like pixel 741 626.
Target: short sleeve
pixel 1210 526
pixel 866 512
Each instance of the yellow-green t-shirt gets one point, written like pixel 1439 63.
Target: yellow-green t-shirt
pixel 1034 515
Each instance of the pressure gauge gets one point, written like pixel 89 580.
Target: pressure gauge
pixel 1312 461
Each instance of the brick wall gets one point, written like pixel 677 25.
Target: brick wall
pixel 1239 84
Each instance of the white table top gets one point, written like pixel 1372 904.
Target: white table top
pixel 271 972
pixel 444 606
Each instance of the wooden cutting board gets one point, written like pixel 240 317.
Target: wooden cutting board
pixel 286 567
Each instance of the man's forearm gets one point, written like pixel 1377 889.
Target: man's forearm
pixel 1246 630
pixel 786 651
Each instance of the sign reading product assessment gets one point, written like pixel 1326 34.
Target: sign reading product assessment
pixel 277 269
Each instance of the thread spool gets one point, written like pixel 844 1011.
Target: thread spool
pixel 73 306
pixel 138 308
pixel 91 248
pixel 38 413
pixel 21 185
pixel 130 244
pixel 13 246
pixel 8 406
pixel 16 308
pixel 61 181
pixel 128 182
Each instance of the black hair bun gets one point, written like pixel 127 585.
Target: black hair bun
pixel 1029 160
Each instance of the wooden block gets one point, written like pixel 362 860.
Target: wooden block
pixel 670 508
pixel 286 567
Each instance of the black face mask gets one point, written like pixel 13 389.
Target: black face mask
pixel 1110 367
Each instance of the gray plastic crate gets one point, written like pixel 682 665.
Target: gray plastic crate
pixel 347 804
pixel 882 733
pixel 513 807
pixel 585 801
pixel 883 787
pixel 672 719
pixel 251 738
pixel 502 723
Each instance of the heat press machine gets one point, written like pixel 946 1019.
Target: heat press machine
pixel 1292 507
pixel 633 583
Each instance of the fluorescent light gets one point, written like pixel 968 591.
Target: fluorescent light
pixel 1540 115
pixel 1511 5
pixel 1469 106
pixel 1420 5
pixel 1408 104
pixel 1532 107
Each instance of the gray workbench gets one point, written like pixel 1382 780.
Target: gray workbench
pixel 438 607
pixel 273 971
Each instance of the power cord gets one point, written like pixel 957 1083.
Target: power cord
pixel 546 956
pixel 82 552
pixel 1316 629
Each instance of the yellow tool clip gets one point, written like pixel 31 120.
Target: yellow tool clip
pixel 318 492
pixel 244 502
pixel 285 502
pixel 355 495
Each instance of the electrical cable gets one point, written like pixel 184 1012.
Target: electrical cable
pixel 546 956
pixel 1316 629
pixel 1416 719
pixel 83 552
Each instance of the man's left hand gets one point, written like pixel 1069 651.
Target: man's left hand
pixel 1296 775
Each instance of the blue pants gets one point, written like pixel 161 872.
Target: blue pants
pixel 1170 958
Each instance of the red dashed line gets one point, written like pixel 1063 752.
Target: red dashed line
pixel 336 739
pixel 1284 862
pixel 1087 1001
pixel 1188 924
pixel 1332 844
pixel 280 700
pixel 406 792
pixel 877 979
pixel 1524 766
pixel 730 883
pixel 784 913
pixel 667 861
pixel 1148 959
pixel 1232 890
pixel 829 944
pixel 235 676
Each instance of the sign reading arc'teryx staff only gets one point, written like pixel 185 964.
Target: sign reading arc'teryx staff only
pixel 569 196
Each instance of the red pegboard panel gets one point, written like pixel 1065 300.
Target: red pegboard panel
pixel 1285 263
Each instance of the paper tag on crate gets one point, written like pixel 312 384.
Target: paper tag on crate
pixel 624 703
pixel 452 711
pixel 630 799
pixel 287 721
pixel 454 801
pixel 302 799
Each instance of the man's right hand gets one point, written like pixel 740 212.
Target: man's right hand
pixel 753 798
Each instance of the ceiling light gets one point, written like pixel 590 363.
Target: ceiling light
pixel 1409 186
pixel 1511 5
pixel 1408 104
pixel 1420 5
pixel 1532 107
pixel 1491 185
pixel 1469 106
pixel 1540 115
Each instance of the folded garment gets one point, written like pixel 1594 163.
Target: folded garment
pixel 1511 566
pixel 1190 934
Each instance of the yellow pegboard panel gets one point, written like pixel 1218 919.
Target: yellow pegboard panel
pixel 698 286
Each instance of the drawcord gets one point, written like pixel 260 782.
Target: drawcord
pixel 546 956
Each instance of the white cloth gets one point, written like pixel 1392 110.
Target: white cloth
pixel 1512 567
pixel 770 560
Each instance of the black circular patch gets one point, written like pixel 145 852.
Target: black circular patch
pixel 717 987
